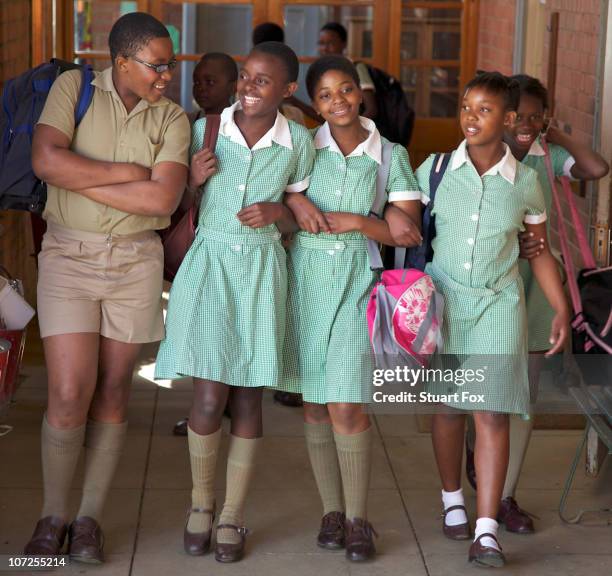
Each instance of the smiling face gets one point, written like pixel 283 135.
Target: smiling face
pixel 483 117
pixel 337 98
pixel 330 43
pixel 212 88
pixel 528 125
pixel 137 79
pixel 262 84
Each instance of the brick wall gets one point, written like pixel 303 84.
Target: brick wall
pixel 576 65
pixel 15 236
pixel 496 35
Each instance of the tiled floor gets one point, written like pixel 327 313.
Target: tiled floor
pixel 146 508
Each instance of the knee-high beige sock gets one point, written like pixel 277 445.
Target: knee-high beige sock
pixel 103 448
pixel 240 467
pixel 520 433
pixel 203 451
pixel 355 456
pixel 325 467
pixel 60 451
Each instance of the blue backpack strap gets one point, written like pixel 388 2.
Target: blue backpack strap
pixel 380 201
pixel 85 94
pixel 428 232
pixel 418 256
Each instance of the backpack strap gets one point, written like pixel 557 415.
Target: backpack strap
pixel 211 132
pixel 85 94
pixel 420 255
pixel 380 201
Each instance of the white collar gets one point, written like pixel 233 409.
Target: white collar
pixel 371 146
pixel 536 148
pixel 506 167
pixel 279 133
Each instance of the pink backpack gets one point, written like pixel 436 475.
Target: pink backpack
pixel 404 318
pixel 404 311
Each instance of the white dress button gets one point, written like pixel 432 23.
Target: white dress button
pixel 248 157
pixel 467 265
pixel 338 192
pixel 236 248
pixel 331 252
pixel 475 217
pixel 470 241
pixel 339 246
pixel 241 187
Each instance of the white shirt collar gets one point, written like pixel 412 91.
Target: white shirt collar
pixel 506 167
pixel 279 133
pixel 371 146
pixel 536 148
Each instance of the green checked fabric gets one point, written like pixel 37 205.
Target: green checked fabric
pixel 327 349
pixel 226 314
pixel 539 312
pixel 475 268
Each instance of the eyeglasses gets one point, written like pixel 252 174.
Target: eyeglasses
pixel 159 68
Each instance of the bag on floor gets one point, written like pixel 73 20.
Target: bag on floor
pixel 404 312
pixel 23 100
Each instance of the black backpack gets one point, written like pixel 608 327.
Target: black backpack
pixel 23 100
pixel 394 119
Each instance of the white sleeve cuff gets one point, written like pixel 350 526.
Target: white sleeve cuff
pixel 424 199
pixel 298 186
pixel 404 195
pixel 567 167
pixel 535 218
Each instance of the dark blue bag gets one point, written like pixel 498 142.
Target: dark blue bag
pixel 23 100
pixel 418 256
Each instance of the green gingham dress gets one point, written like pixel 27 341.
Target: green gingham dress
pixel 475 268
pixel 226 314
pixel 539 312
pixel 327 349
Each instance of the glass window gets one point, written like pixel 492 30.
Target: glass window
pixel 198 28
pixel 432 90
pixel 303 22
pixel 94 20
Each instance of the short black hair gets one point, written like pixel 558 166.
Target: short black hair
pixel 497 83
pixel 284 54
pixel 532 87
pixel 268 32
pixel 228 63
pixel 132 32
pixel 323 65
pixel 338 29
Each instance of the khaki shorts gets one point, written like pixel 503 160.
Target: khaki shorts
pixel 107 284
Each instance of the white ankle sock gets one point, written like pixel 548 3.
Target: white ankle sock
pixel 487 526
pixel 449 499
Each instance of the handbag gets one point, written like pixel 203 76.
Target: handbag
pixel 179 236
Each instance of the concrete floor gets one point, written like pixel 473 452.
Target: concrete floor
pixel 146 509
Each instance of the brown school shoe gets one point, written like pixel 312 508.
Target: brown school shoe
pixel 470 467
pixel 86 541
pixel 458 531
pixel 180 428
pixel 198 543
pixel 514 518
pixel 331 534
pixel 288 399
pixel 359 541
pixel 230 552
pixel 48 538
pixel 486 556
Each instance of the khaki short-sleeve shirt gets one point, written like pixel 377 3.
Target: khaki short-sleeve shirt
pixel 148 135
